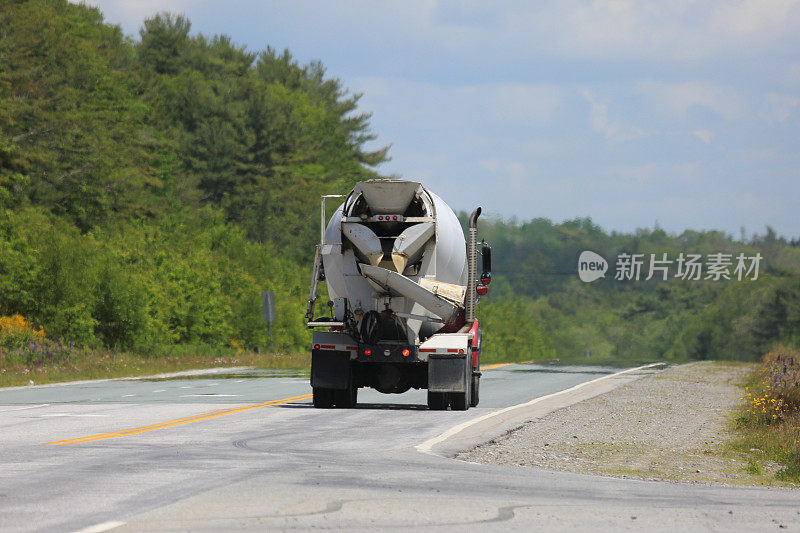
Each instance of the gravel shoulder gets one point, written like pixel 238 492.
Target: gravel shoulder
pixel 671 426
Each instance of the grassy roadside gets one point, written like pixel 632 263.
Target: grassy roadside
pixel 768 422
pixel 89 363
pixel 27 355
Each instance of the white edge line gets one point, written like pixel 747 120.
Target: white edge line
pixel 165 375
pixel 24 407
pixel 99 528
pixel 78 415
pixel 427 446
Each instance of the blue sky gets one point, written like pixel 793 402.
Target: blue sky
pixel 630 112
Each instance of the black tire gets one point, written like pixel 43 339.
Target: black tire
pixel 346 398
pixel 476 385
pixel 437 401
pixel 323 398
pixel 459 401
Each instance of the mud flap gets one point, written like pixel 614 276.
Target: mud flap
pixel 447 373
pixel 330 369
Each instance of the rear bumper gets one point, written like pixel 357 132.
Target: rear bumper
pixel 387 353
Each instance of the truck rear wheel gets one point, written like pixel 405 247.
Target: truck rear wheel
pixel 346 398
pixel 437 401
pixel 476 384
pixel 459 401
pixel 323 398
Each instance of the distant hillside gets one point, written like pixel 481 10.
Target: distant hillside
pixel 537 286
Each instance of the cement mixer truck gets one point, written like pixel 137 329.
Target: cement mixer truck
pixel 403 288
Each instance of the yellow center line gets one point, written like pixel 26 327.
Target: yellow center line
pixel 200 417
pixel 496 365
pixel 178 421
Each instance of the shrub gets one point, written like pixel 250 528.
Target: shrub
pixel 16 331
pixel 781 371
pixel 771 413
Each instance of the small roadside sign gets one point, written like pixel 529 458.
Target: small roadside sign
pixel 268 306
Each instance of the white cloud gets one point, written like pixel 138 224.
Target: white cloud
pixel 704 135
pixel 547 97
pixel 517 32
pixel 679 98
pixel 751 17
pixel 682 30
pixel 613 130
pixel 489 103
pixel 512 174
pixel 791 74
pixel 779 107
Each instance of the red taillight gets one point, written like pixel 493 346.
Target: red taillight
pixel 316 346
pixel 482 289
pixel 395 218
pixel 486 278
pixel 461 350
pixel 367 352
pixel 406 353
pixel 380 218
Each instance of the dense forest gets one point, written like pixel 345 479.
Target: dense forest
pixel 629 320
pixel 151 188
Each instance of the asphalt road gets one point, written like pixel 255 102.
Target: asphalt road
pixel 248 451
